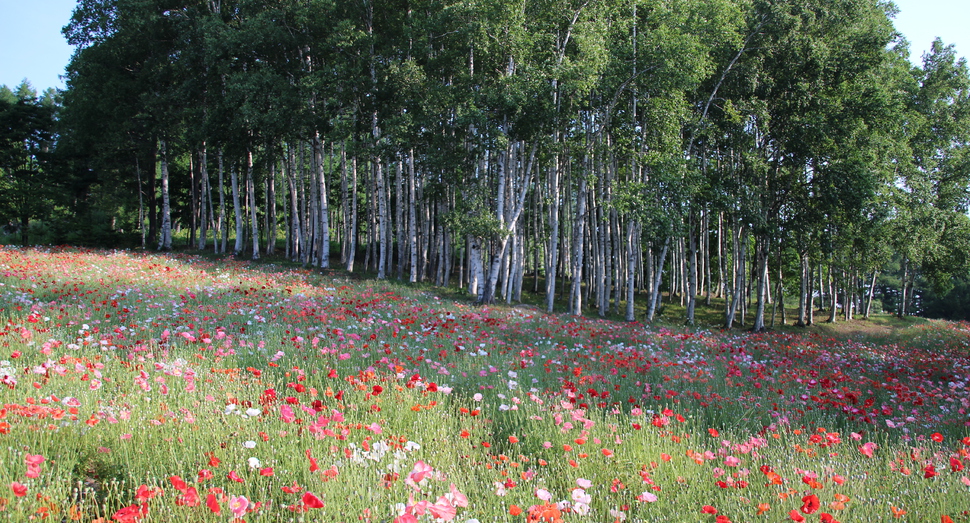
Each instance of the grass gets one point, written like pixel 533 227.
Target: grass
pixel 163 387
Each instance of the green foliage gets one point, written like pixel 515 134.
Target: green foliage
pixel 798 121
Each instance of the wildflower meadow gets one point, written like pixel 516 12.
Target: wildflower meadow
pixel 150 388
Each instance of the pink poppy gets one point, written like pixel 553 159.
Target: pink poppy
pixel 421 471
pixel 457 498
pixel 443 509
pixel 238 505
pixel 33 462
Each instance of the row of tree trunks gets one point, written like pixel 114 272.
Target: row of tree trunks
pixel 407 237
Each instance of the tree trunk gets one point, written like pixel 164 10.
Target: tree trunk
pixel 579 238
pixel 552 257
pixel 761 251
pixel 654 297
pixel 631 253
pixel 237 207
pixel 803 291
pixel 412 221
pixel 221 226
pixel 153 197
pixel 381 218
pixel 296 228
pixel 904 295
pixel 271 218
pixel 476 272
pixel 141 204
pixel 344 207
pixel 206 196
pixel 721 258
pixel 324 205
pixel 193 201
pixel 251 194
pixel 691 270
pixel 872 291
pixel 166 241
pixel 810 307
pixel 738 254
pixel 352 248
pixel 833 296
pixel 399 225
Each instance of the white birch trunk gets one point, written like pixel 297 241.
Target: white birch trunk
pixel 166 241
pixel 324 205
pixel 237 207
pixel 206 197
pixel 653 298
pixel 762 286
pixel 691 271
pixel 872 291
pixel 296 228
pixel 271 210
pixel 412 221
pixel 251 193
pixel 631 254
pixel 221 225
pixel 739 267
pixel 579 235
pixel 509 218
pixel 476 271
pixel 381 219
pixel 552 260
pixel 399 225
pixel 352 247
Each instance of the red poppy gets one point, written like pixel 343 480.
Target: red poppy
pixel 144 493
pixel 189 498
pixel 937 437
pixel 131 513
pixel 178 483
pixel 796 517
pixel 955 465
pixel 212 503
pixel 311 500
pixel 810 504
pixel 707 509
pixel 547 513
pixel 313 462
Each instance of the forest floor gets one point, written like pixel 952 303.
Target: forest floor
pixel 880 327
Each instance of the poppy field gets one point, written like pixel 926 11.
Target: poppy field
pixel 148 387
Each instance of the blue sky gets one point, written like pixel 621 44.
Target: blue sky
pixel 31 45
